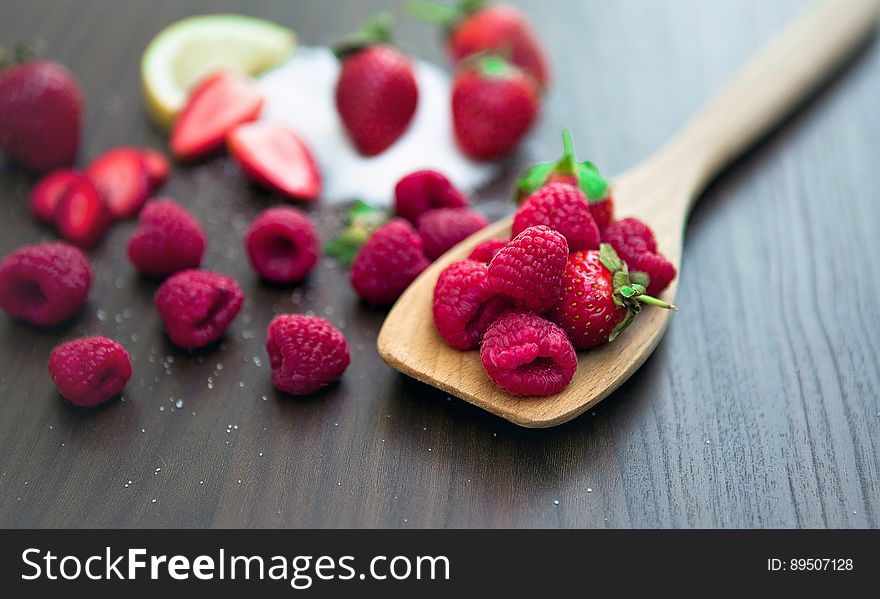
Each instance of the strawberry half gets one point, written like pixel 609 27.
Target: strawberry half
pixel 48 191
pixel 81 216
pixel 275 156
pixel 217 104
pixel 156 166
pixel 122 178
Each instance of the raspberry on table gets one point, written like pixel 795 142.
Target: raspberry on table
pixel 529 269
pixel 463 305
pixel 486 250
pixel 168 239
pixel 388 262
pixel 443 228
pixel 561 207
pixel 197 306
pixel 90 371
pixel 45 284
pixel 422 191
pixel 306 353
pixel 635 244
pixel 282 245
pixel 525 354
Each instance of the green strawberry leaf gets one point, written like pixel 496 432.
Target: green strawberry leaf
pixel 609 258
pixel 639 277
pixel 532 180
pixel 362 221
pixel 591 182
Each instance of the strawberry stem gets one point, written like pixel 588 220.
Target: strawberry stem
pixel 647 299
pixel 567 164
pixel 376 30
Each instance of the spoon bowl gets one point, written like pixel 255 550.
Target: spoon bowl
pixel 660 191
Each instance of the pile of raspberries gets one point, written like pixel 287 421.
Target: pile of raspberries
pixel 561 284
pixel 48 283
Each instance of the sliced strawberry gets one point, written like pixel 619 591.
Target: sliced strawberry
pixel 156 166
pixel 81 216
pixel 49 190
pixel 217 104
pixel 275 156
pixel 122 178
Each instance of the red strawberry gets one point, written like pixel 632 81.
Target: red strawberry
pixel 376 93
pixel 494 104
pixel 122 178
pixel 567 169
pixel 81 216
pixel 217 104
pixel 40 115
pixel 472 27
pixel 157 167
pixel 275 156
pixel 48 191
pixel 599 298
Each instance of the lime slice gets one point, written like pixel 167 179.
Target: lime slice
pixel 186 51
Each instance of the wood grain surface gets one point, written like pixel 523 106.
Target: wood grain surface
pixel 759 408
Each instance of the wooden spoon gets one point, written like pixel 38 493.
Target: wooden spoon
pixel 661 191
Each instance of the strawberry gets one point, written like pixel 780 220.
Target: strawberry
pixel 41 115
pixel 217 104
pixel 599 297
pixel 48 191
pixel 123 180
pixel 275 156
pixel 157 167
pixel 376 93
pixel 567 169
pixel 476 27
pixel 81 216
pixel 494 104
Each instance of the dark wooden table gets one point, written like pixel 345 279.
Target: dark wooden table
pixel 759 409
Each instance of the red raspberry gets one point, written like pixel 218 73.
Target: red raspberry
pixel 169 239
pixel 388 262
pixel 603 212
pixel 282 245
pixel 463 305
pixel 486 250
pixel 635 244
pixel 426 190
pixel 441 229
pixel 45 284
pixel 561 207
pixel 660 271
pixel 90 371
pixel 529 268
pixel 306 353
pixel 630 236
pixel 197 306
pixel 525 354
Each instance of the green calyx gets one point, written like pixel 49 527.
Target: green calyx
pixel 629 289
pixel 585 174
pixel 23 51
pixel 362 221
pixel 445 15
pixel 377 30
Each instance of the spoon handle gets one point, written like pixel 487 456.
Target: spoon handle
pixel 776 80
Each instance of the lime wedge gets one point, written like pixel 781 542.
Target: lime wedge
pixel 186 51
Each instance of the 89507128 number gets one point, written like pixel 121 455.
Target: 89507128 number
pixel 822 563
